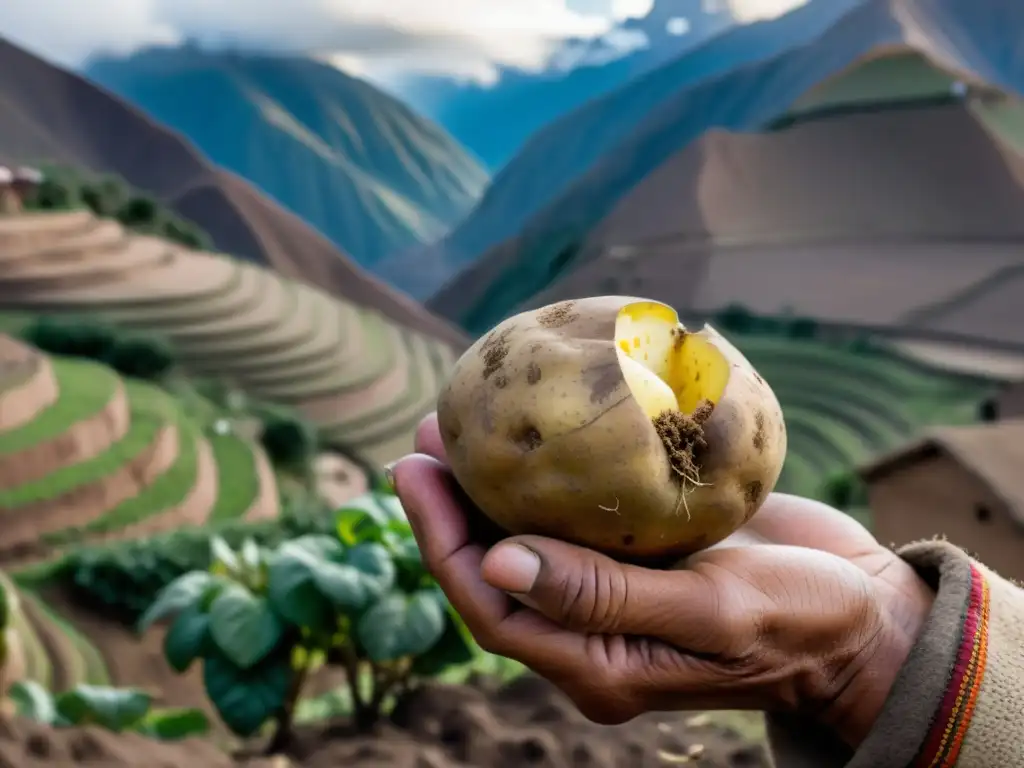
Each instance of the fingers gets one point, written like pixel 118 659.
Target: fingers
pixel 589 593
pixel 439 521
pixel 428 438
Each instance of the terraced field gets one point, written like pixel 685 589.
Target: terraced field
pixel 842 406
pixel 46 648
pixel 86 456
pixel 362 379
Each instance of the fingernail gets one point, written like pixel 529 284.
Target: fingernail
pixel 513 568
pixel 389 474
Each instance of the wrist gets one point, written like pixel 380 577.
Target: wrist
pixel 874 667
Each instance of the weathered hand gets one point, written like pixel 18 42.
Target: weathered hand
pixel 800 611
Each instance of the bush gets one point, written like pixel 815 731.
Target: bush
pixel 122 579
pixel 736 318
pixel 260 620
pixel 54 194
pixel 138 212
pixel 141 357
pixel 802 328
pixel 116 709
pixel 72 337
pixel 105 196
pixel 134 355
pixel 289 441
pixel 844 491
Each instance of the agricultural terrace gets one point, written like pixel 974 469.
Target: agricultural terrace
pixel 87 455
pixel 361 379
pixel 844 404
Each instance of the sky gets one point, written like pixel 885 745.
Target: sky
pixel 466 39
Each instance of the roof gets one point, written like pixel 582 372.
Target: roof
pixel 6 177
pixel 31 175
pixel 992 452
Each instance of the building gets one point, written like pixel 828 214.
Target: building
pixel 9 200
pixel 26 181
pixel 1008 403
pixel 966 483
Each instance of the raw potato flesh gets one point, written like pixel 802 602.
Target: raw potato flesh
pixel 604 422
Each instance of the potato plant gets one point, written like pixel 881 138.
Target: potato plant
pixel 261 620
pixel 116 709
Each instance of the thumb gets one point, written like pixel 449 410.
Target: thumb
pixel 586 591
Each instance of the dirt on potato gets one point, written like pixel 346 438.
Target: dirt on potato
pixel 683 437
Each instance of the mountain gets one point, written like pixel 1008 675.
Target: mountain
pixel 554 159
pixel 357 164
pixel 747 99
pixel 50 114
pixel 582 70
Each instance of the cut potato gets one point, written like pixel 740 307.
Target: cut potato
pixel 605 422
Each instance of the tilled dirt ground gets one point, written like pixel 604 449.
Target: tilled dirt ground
pixel 525 724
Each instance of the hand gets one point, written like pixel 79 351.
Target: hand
pixel 800 611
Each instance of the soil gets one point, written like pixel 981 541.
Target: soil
pixel 683 437
pixel 524 724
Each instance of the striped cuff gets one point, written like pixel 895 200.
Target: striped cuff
pixel 949 726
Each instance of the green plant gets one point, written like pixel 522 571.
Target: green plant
pixel 141 357
pixel 71 336
pixel 261 620
pixel 116 709
pixel 289 441
pixel 138 212
pixel 844 490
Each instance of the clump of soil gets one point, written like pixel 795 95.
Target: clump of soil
pixel 525 723
pixel 683 437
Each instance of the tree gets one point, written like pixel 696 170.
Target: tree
pixel 138 212
pixel 141 357
pixel 260 621
pixel 72 337
pixel 289 441
pixel 802 328
pixel 737 318
pixel 844 490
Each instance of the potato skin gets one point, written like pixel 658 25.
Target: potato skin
pixel 543 434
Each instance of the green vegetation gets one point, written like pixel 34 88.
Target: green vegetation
pixel 846 403
pixel 239 482
pixel 132 354
pixel 116 709
pixel 85 388
pixel 111 197
pixel 260 620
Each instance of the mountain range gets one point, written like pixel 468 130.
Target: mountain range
pixel 53 115
pixel 368 172
pixel 581 71
pixel 685 187
pixel 549 168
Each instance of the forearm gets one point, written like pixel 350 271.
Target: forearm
pixel 958 697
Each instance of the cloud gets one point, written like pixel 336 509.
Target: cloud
pixel 465 38
pixel 746 11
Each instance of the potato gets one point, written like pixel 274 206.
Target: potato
pixel 604 422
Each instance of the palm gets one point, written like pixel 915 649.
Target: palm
pixel 798 522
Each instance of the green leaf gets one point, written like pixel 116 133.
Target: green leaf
pixel 355 525
pixel 187 637
pixel 244 626
pixel 293 593
pixel 113 708
pixel 365 572
pixel 401 625
pixel 32 701
pixel 455 647
pixel 251 553
pixel 176 596
pixel 174 724
pixel 247 698
pixel 222 553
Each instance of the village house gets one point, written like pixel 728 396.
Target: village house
pixel 9 200
pixel 966 483
pixel 1008 403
